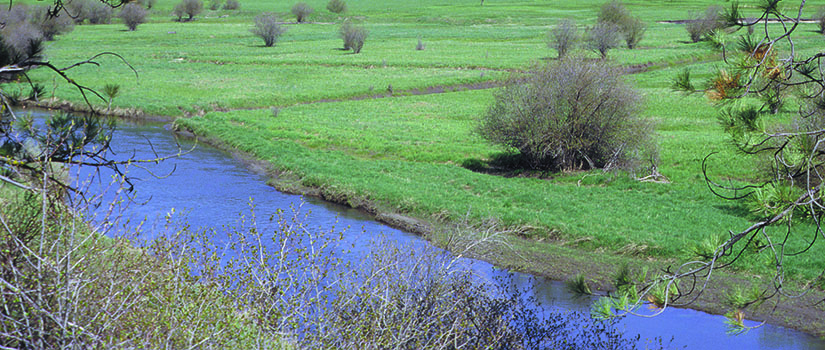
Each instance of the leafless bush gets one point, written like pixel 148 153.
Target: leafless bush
pixel 77 9
pixel 820 19
pixel 337 6
pixel 632 28
pixel 148 4
pixel 602 38
pixel 21 37
pixel 51 26
pixel 132 15
pixel 190 8
pixel 570 114
pixel 353 36
pixel 231 5
pixel 301 11
pixel 268 28
pixel 703 25
pixel 98 13
pixel 563 37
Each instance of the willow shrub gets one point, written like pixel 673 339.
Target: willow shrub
pixel 570 114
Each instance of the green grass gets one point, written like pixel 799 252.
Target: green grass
pixel 404 153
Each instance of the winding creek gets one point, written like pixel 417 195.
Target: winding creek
pixel 214 187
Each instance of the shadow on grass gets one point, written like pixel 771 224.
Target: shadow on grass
pixel 736 209
pixel 507 165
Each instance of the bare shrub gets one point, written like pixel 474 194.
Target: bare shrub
pixel 98 13
pixel 148 4
pixel 701 27
pixel 570 114
pixel 632 28
pixel 301 11
pixel 16 15
pixel 51 26
pixel 21 37
pixel 268 28
pixel 337 6
pixel 132 15
pixel 353 36
pixel 77 9
pixel 232 5
pixel 190 8
pixel 602 38
pixel 563 37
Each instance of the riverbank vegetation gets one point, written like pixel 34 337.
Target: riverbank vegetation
pixel 390 130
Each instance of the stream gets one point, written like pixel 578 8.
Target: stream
pixel 213 188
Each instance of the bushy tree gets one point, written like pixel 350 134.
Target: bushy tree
pixel 632 28
pixel 190 8
pixel 602 38
pixel 563 37
pixel 268 28
pixel 132 15
pixel 337 6
pixel 569 114
pixel 301 11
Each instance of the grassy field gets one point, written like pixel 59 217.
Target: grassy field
pixel 404 152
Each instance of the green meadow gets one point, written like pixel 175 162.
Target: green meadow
pixel 392 128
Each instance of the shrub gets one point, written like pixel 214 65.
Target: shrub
pixel 632 28
pixel 214 5
pixel 337 6
pixel 231 5
pixel 301 11
pixel 602 38
pixel 191 8
pixel 563 37
pixel 132 15
pixel 420 46
pixel 98 13
pixel 267 27
pixel 77 9
pixel 570 114
pixel 353 36
pixel 148 4
pixel 21 37
pixel 820 19
pixel 703 25
pixel 51 26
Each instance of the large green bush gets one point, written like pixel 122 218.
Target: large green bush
pixel 568 115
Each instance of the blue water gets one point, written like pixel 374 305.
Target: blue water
pixel 213 188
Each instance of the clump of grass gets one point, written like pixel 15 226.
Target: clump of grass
pixel 578 285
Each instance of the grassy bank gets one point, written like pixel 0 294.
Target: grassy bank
pixel 411 154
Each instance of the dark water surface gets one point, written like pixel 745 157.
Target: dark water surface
pixel 214 188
